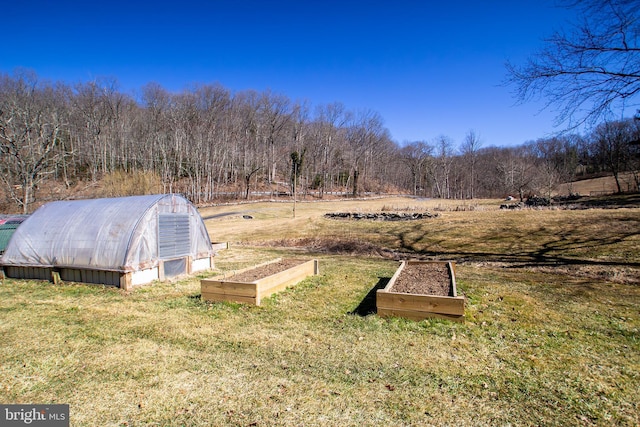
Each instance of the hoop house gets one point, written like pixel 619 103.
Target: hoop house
pixel 124 241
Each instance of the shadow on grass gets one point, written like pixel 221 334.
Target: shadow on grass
pixel 612 201
pixel 551 248
pixel 368 304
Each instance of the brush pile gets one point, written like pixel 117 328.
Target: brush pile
pixel 381 216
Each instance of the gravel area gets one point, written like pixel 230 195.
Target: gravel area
pixel 424 279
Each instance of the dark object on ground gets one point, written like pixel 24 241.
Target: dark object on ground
pixel 383 216
pixel 518 205
pixel 537 202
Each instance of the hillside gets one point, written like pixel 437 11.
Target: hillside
pixel 598 186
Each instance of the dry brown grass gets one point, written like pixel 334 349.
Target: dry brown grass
pixel 551 331
pixel 582 238
pixel 602 185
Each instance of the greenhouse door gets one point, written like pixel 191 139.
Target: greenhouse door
pixel 174 243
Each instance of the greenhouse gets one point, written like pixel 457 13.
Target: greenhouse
pixel 124 241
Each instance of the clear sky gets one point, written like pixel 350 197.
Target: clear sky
pixel 429 68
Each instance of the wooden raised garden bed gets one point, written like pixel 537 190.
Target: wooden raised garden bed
pixel 421 289
pixel 251 285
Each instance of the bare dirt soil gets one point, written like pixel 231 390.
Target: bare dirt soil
pixel 332 246
pixel 266 270
pixel 424 279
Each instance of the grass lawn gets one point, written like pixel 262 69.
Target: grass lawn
pixel 551 333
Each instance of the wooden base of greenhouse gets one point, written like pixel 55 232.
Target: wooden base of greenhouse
pixel 124 280
pixel 420 306
pixel 226 289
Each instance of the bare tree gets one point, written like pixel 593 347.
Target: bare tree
pixel 198 141
pixel 612 141
pixel 246 154
pixel 366 137
pixel 441 172
pixel 97 110
pixel 328 130
pixel 517 170
pixel 299 133
pixel 548 153
pixel 416 155
pixel 297 161
pixel 157 147
pixel 275 113
pixel 30 128
pixel 469 149
pixel 213 136
pixel 634 153
pixel 590 70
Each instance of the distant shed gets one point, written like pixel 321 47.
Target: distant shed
pixel 8 225
pixel 124 241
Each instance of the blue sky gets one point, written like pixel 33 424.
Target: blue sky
pixel 429 68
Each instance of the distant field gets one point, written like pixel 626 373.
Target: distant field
pixel 551 333
pixel 598 186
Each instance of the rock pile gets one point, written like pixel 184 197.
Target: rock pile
pixel 531 202
pixel 381 216
pixel 519 205
pixel 538 201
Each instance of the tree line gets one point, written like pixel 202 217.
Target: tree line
pixel 207 142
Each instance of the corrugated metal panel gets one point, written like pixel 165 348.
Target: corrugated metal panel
pixel 28 273
pixel 110 278
pixel 6 231
pixel 173 235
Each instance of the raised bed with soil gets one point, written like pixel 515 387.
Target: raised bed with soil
pixel 421 289
pixel 251 285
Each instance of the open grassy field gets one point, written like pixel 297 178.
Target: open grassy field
pixel 602 185
pixel 551 333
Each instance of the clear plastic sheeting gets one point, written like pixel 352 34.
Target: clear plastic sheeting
pixel 117 234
